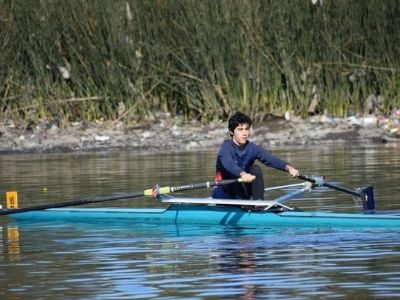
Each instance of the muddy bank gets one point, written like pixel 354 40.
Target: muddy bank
pixel 169 134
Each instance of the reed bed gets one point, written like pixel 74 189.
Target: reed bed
pixel 128 59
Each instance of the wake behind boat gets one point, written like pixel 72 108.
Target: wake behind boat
pixel 188 210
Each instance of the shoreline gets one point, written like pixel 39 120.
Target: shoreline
pixel 168 135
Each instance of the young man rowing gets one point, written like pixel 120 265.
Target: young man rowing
pixel 236 159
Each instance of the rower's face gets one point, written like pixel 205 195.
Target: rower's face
pixel 241 134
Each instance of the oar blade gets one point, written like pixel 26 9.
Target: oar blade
pixel 367 198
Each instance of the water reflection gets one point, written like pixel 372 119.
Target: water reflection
pixel 115 261
pixel 194 261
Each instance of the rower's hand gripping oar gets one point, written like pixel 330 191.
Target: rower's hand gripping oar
pixel 155 191
pixel 366 193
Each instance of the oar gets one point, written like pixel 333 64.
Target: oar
pixel 366 193
pixel 155 191
pixel 321 182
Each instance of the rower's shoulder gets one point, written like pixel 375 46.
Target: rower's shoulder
pixel 226 144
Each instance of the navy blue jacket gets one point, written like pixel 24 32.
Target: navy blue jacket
pixel 233 159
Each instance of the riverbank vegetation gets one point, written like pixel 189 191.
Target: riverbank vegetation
pixel 127 59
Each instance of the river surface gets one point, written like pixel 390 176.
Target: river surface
pixel 59 260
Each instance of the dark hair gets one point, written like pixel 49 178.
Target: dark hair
pixel 236 119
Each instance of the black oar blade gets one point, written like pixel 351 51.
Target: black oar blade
pixel 367 198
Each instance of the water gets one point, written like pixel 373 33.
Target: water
pixel 54 260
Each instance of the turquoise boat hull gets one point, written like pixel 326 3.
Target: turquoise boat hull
pixel 212 215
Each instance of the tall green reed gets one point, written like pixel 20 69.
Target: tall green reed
pixel 79 60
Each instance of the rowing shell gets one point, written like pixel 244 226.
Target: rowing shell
pixel 213 215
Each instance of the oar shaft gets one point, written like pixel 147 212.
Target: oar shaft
pixel 171 189
pixel 207 184
pixel 149 192
pixel 71 203
pixel 342 189
pixel 329 185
